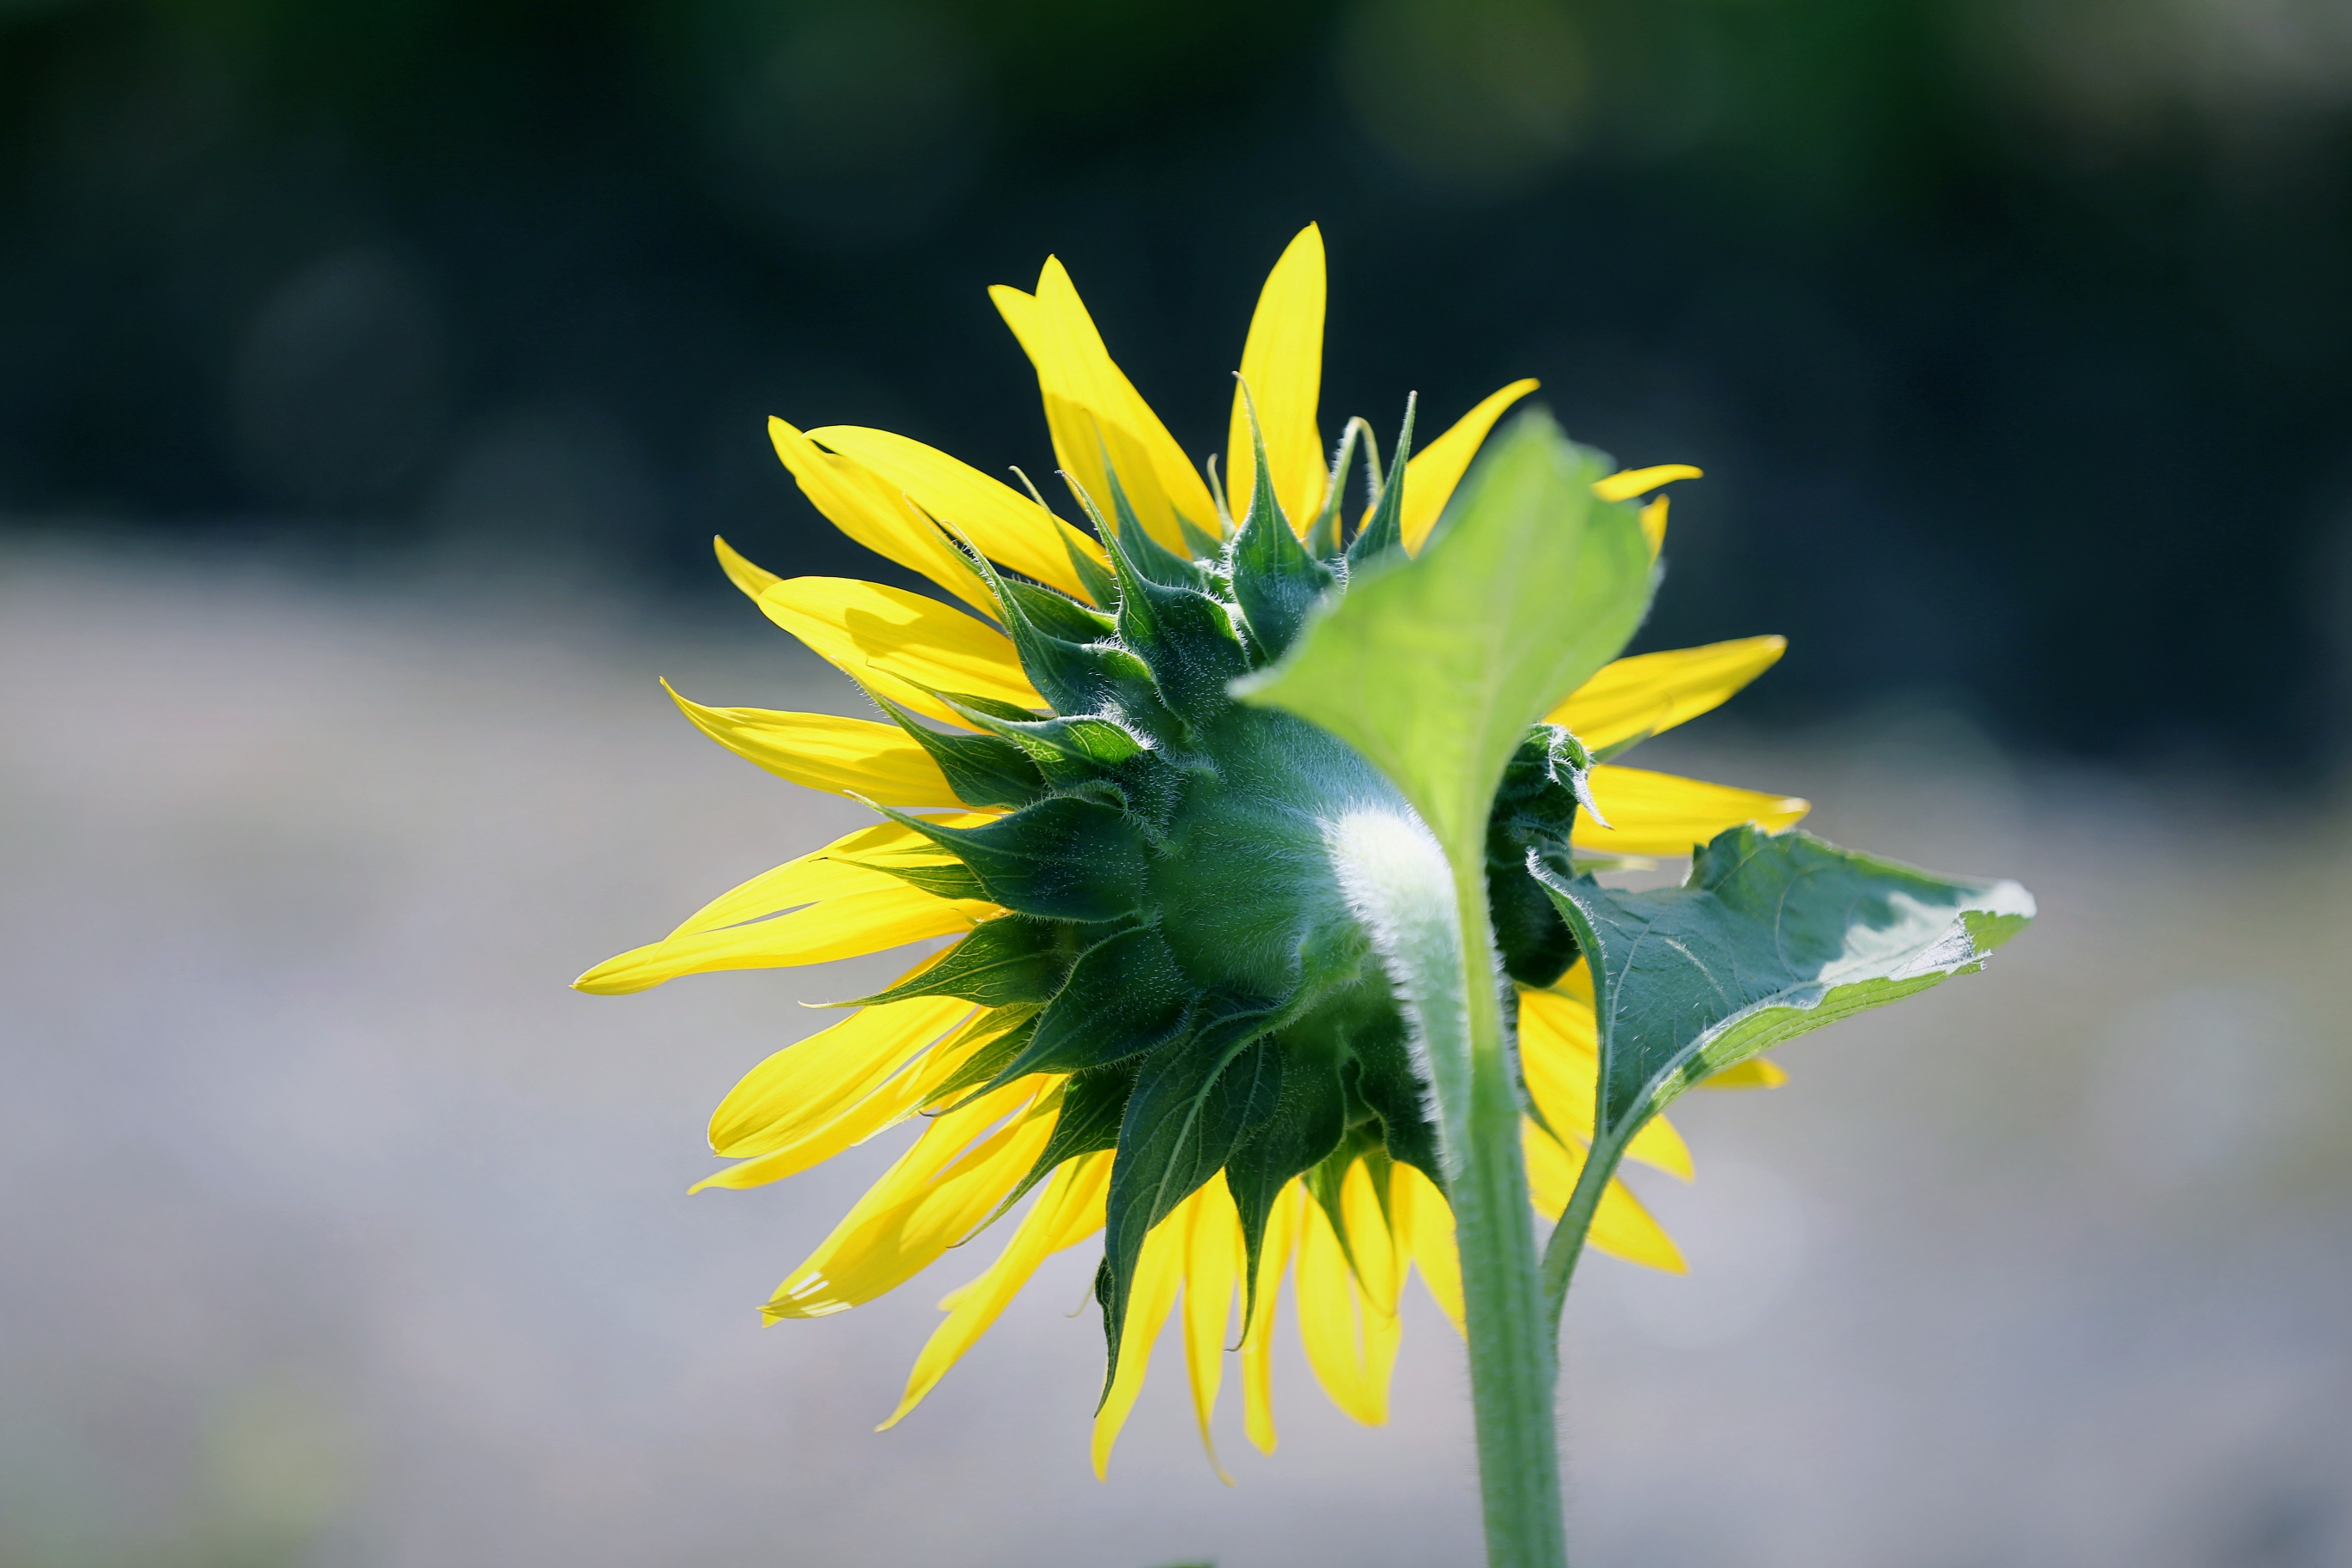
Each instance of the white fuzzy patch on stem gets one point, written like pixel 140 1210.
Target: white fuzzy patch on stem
pixel 1396 884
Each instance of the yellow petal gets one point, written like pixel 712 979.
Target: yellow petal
pixel 1010 527
pixel 1653 692
pixel 1091 407
pixel 1627 483
pixel 1559 1055
pixel 1660 814
pixel 1074 1193
pixel 880 762
pixel 930 1200
pixel 740 572
pixel 1426 1222
pixel 902 645
pixel 1756 1072
pixel 1282 361
pixel 807 1085
pixel 1431 473
pixel 1622 1228
pixel 843 927
pixel 1350 1345
pixel 1654 526
pixel 877 516
pixel 1213 1260
pixel 1149 1301
pixel 1274 1249
pixel 826 873
pixel 1372 1249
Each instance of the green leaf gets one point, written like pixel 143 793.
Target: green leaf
pixel 1772 935
pixel 1434 667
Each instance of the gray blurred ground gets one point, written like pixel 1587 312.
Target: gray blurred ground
pixel 334 1229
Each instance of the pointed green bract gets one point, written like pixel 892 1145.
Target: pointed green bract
pixel 1773 935
pixel 1435 666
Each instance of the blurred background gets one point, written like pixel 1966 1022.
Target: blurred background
pixel 373 377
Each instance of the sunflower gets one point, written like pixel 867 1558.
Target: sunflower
pixel 1135 872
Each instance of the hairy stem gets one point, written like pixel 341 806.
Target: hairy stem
pixel 1514 1361
pixel 1427 914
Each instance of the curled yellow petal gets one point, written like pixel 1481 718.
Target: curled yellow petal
pixel 1651 692
pixel 1091 409
pixel 807 1090
pixel 1274 1250
pixel 1072 1202
pixel 1212 1260
pixel 1756 1072
pixel 1351 1344
pixel 1660 814
pixel 880 762
pixel 902 645
pixel 935 1195
pixel 1654 526
pixel 1008 526
pixel 1430 474
pixel 1559 1056
pixel 741 571
pixel 1426 1222
pixel 844 865
pixel 1628 483
pixel 890 914
pixel 1622 1228
pixel 876 515
pixel 1282 362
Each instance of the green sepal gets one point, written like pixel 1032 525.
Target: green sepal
pixel 1124 996
pixel 1006 960
pixel 1309 1118
pixel 982 770
pixel 1091 575
pixel 1323 538
pixel 1133 543
pixel 1384 529
pixel 1275 581
pixel 1062 859
pixel 1096 582
pixel 1187 637
pixel 1075 676
pixel 1535 808
pixel 943 879
pixel 1772 935
pixel 1204 544
pixel 1327 1183
pixel 967 704
pixel 1389 1084
pixel 1056 612
pixel 1056 745
pixel 1192 1105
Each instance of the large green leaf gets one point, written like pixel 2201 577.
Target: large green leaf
pixel 1433 666
pixel 1771 936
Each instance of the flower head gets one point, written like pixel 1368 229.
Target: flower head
pixel 1164 1017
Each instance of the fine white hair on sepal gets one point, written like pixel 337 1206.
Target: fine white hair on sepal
pixel 1398 888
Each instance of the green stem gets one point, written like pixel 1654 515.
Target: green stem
pixel 1514 1361
pixel 1428 912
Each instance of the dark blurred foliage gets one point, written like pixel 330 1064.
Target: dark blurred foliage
pixel 2015 335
